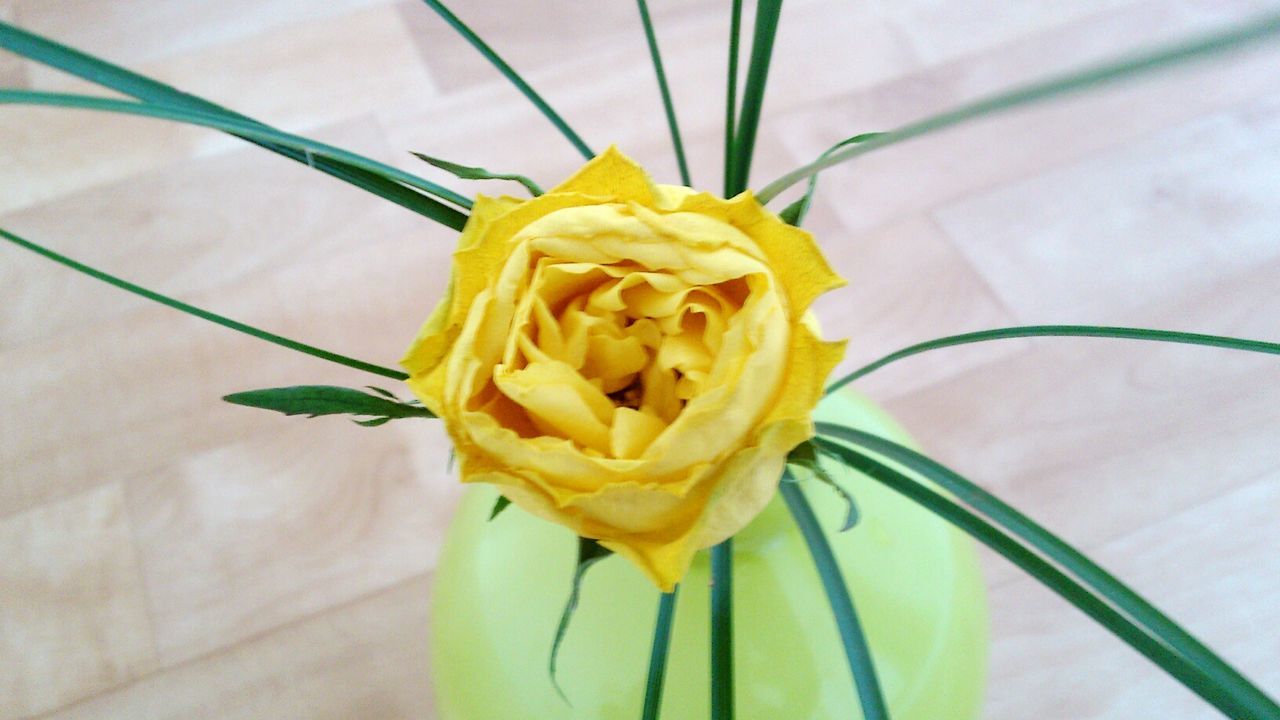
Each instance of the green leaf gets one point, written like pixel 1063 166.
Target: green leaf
pixel 1099 331
pixel 668 107
pixel 866 683
pixel 1166 644
pixel 203 314
pixel 589 553
pixel 475 173
pixel 805 455
pixel 239 128
pixel 768 13
pixel 498 506
pixel 795 213
pixel 722 631
pixel 316 400
pixel 658 655
pixel 383 392
pixel 1232 38
pixel 509 73
pixel 87 67
pixel 731 94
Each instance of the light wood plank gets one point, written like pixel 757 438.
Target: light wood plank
pixel 73 614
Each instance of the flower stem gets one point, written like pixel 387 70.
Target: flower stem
pixel 658 655
pixel 722 631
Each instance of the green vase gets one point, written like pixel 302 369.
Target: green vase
pixel 501 586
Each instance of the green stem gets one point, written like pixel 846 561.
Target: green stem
pixel 1204 46
pixel 722 631
pixel 856 651
pixel 117 78
pixel 731 94
pixel 1101 331
pixel 205 314
pixel 658 655
pixel 1191 676
pixel 509 73
pixel 672 124
pixel 768 13
pixel 1069 558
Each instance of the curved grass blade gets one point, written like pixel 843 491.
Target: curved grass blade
pixel 744 144
pixel 1206 45
pixel 204 314
pixel 1093 575
pixel 805 455
pixel 672 124
pixel 316 400
pixel 589 553
pixel 239 128
pixel 1099 331
pixel 509 73
pixel 731 93
pixel 722 631
pixel 95 70
pixel 1192 677
pixel 795 213
pixel 866 683
pixel 467 172
pixel 658 655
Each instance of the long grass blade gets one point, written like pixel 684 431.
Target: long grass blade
pixel 510 74
pixel 1099 331
pixel 247 130
pixel 668 107
pixel 768 13
pixel 87 67
pixel 722 631
pixel 861 665
pixel 658 655
pixel 731 93
pixel 1232 38
pixel 1192 676
pixel 1092 574
pixel 204 314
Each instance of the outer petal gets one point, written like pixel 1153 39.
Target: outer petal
pixel 611 175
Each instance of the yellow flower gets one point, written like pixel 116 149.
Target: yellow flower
pixel 630 360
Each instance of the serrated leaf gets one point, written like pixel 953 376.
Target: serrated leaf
pixel 808 455
pixel 373 422
pixel 589 553
pixel 383 392
pixel 316 400
pixel 466 172
pixel 498 506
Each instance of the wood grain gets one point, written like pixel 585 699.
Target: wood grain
pixel 168 555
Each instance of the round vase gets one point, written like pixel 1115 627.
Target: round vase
pixel 501 586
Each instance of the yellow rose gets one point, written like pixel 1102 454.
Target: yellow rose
pixel 630 360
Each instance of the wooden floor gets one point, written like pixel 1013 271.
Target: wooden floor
pixel 166 555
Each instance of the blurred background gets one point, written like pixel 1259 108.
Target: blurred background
pixel 166 555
